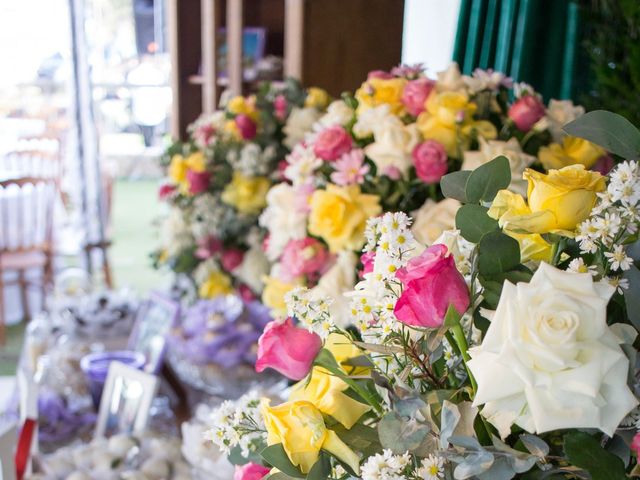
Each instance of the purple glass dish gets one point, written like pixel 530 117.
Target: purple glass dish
pixel 96 366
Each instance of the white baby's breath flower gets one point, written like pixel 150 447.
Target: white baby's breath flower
pixel 383 466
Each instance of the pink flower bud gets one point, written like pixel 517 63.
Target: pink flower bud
pixel 526 111
pixel 332 143
pixel 246 126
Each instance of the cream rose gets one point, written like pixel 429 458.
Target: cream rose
pixel 549 361
pixel 298 124
pixel 338 113
pixel 559 113
pixel 518 160
pixel 393 145
pixel 253 268
pixel 371 119
pixel 283 219
pixel 340 278
pixel 433 218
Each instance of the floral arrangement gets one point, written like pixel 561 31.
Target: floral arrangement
pixel 217 183
pixel 477 357
pixel 386 148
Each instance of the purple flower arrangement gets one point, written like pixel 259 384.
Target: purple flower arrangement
pixel 61 419
pixel 223 331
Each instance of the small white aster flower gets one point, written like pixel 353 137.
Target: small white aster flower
pixel 619 259
pixel 432 468
pixel 577 265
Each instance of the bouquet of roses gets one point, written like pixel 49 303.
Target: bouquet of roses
pixel 471 358
pixel 386 148
pixel 217 183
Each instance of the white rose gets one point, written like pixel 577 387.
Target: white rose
pixel 338 280
pixel 338 113
pixel 518 160
pixel 559 113
pixel 176 234
pixel 549 361
pixel 372 118
pixel 433 218
pixel 253 267
pixel 282 219
pixel 459 247
pixel 298 124
pixel 450 80
pixel 393 145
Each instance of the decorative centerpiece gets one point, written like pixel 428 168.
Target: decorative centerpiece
pixel 217 184
pixel 214 348
pixel 386 148
pixel 505 349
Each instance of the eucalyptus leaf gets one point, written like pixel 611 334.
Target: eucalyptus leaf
pixel 473 222
pixel 400 435
pixel 408 407
pixel 535 445
pixel 454 185
pixel 519 461
pixel 497 253
pixel 487 180
pixel 609 130
pixel 321 469
pixel 474 464
pixel 277 457
pixel 584 451
pixel 500 470
pixel 449 418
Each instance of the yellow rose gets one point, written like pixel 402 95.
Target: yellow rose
pixel 532 247
pixel 217 284
pixel 240 105
pixel 558 201
pixel 343 349
pixel 339 215
pixel 378 91
pixel 178 169
pixel 448 119
pixel 273 294
pixel 326 392
pixel 301 430
pixel 232 130
pixel 317 98
pixel 247 194
pixel 573 151
pixel 196 162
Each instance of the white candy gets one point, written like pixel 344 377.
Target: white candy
pixel 156 468
pixel 120 445
pixel 78 475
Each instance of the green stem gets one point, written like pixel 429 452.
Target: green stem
pixel 461 342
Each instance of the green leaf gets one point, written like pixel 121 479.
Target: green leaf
pixel 454 185
pixel 585 452
pixel 321 469
pixel 277 457
pixel 473 222
pixel 632 295
pixel 609 130
pixel 497 253
pixel 452 317
pixel 488 179
pixel 278 476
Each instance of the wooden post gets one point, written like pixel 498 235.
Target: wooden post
pixel 210 24
pixel 234 45
pixel 293 38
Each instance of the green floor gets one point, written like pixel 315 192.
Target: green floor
pixel 135 208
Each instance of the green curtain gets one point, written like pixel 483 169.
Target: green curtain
pixel 533 41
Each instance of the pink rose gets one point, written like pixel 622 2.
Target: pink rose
pixel 250 471
pixel 231 258
pixel 203 134
pixel 287 349
pixel 246 126
pixel 430 160
pixel 367 260
pixel 381 74
pixel 635 444
pixel 332 143
pixel 280 107
pixel 166 190
pixel 198 181
pixel 208 247
pixel 526 111
pixel 415 94
pixel 431 283
pixel 303 257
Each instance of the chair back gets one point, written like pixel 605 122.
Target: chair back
pixel 27 214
